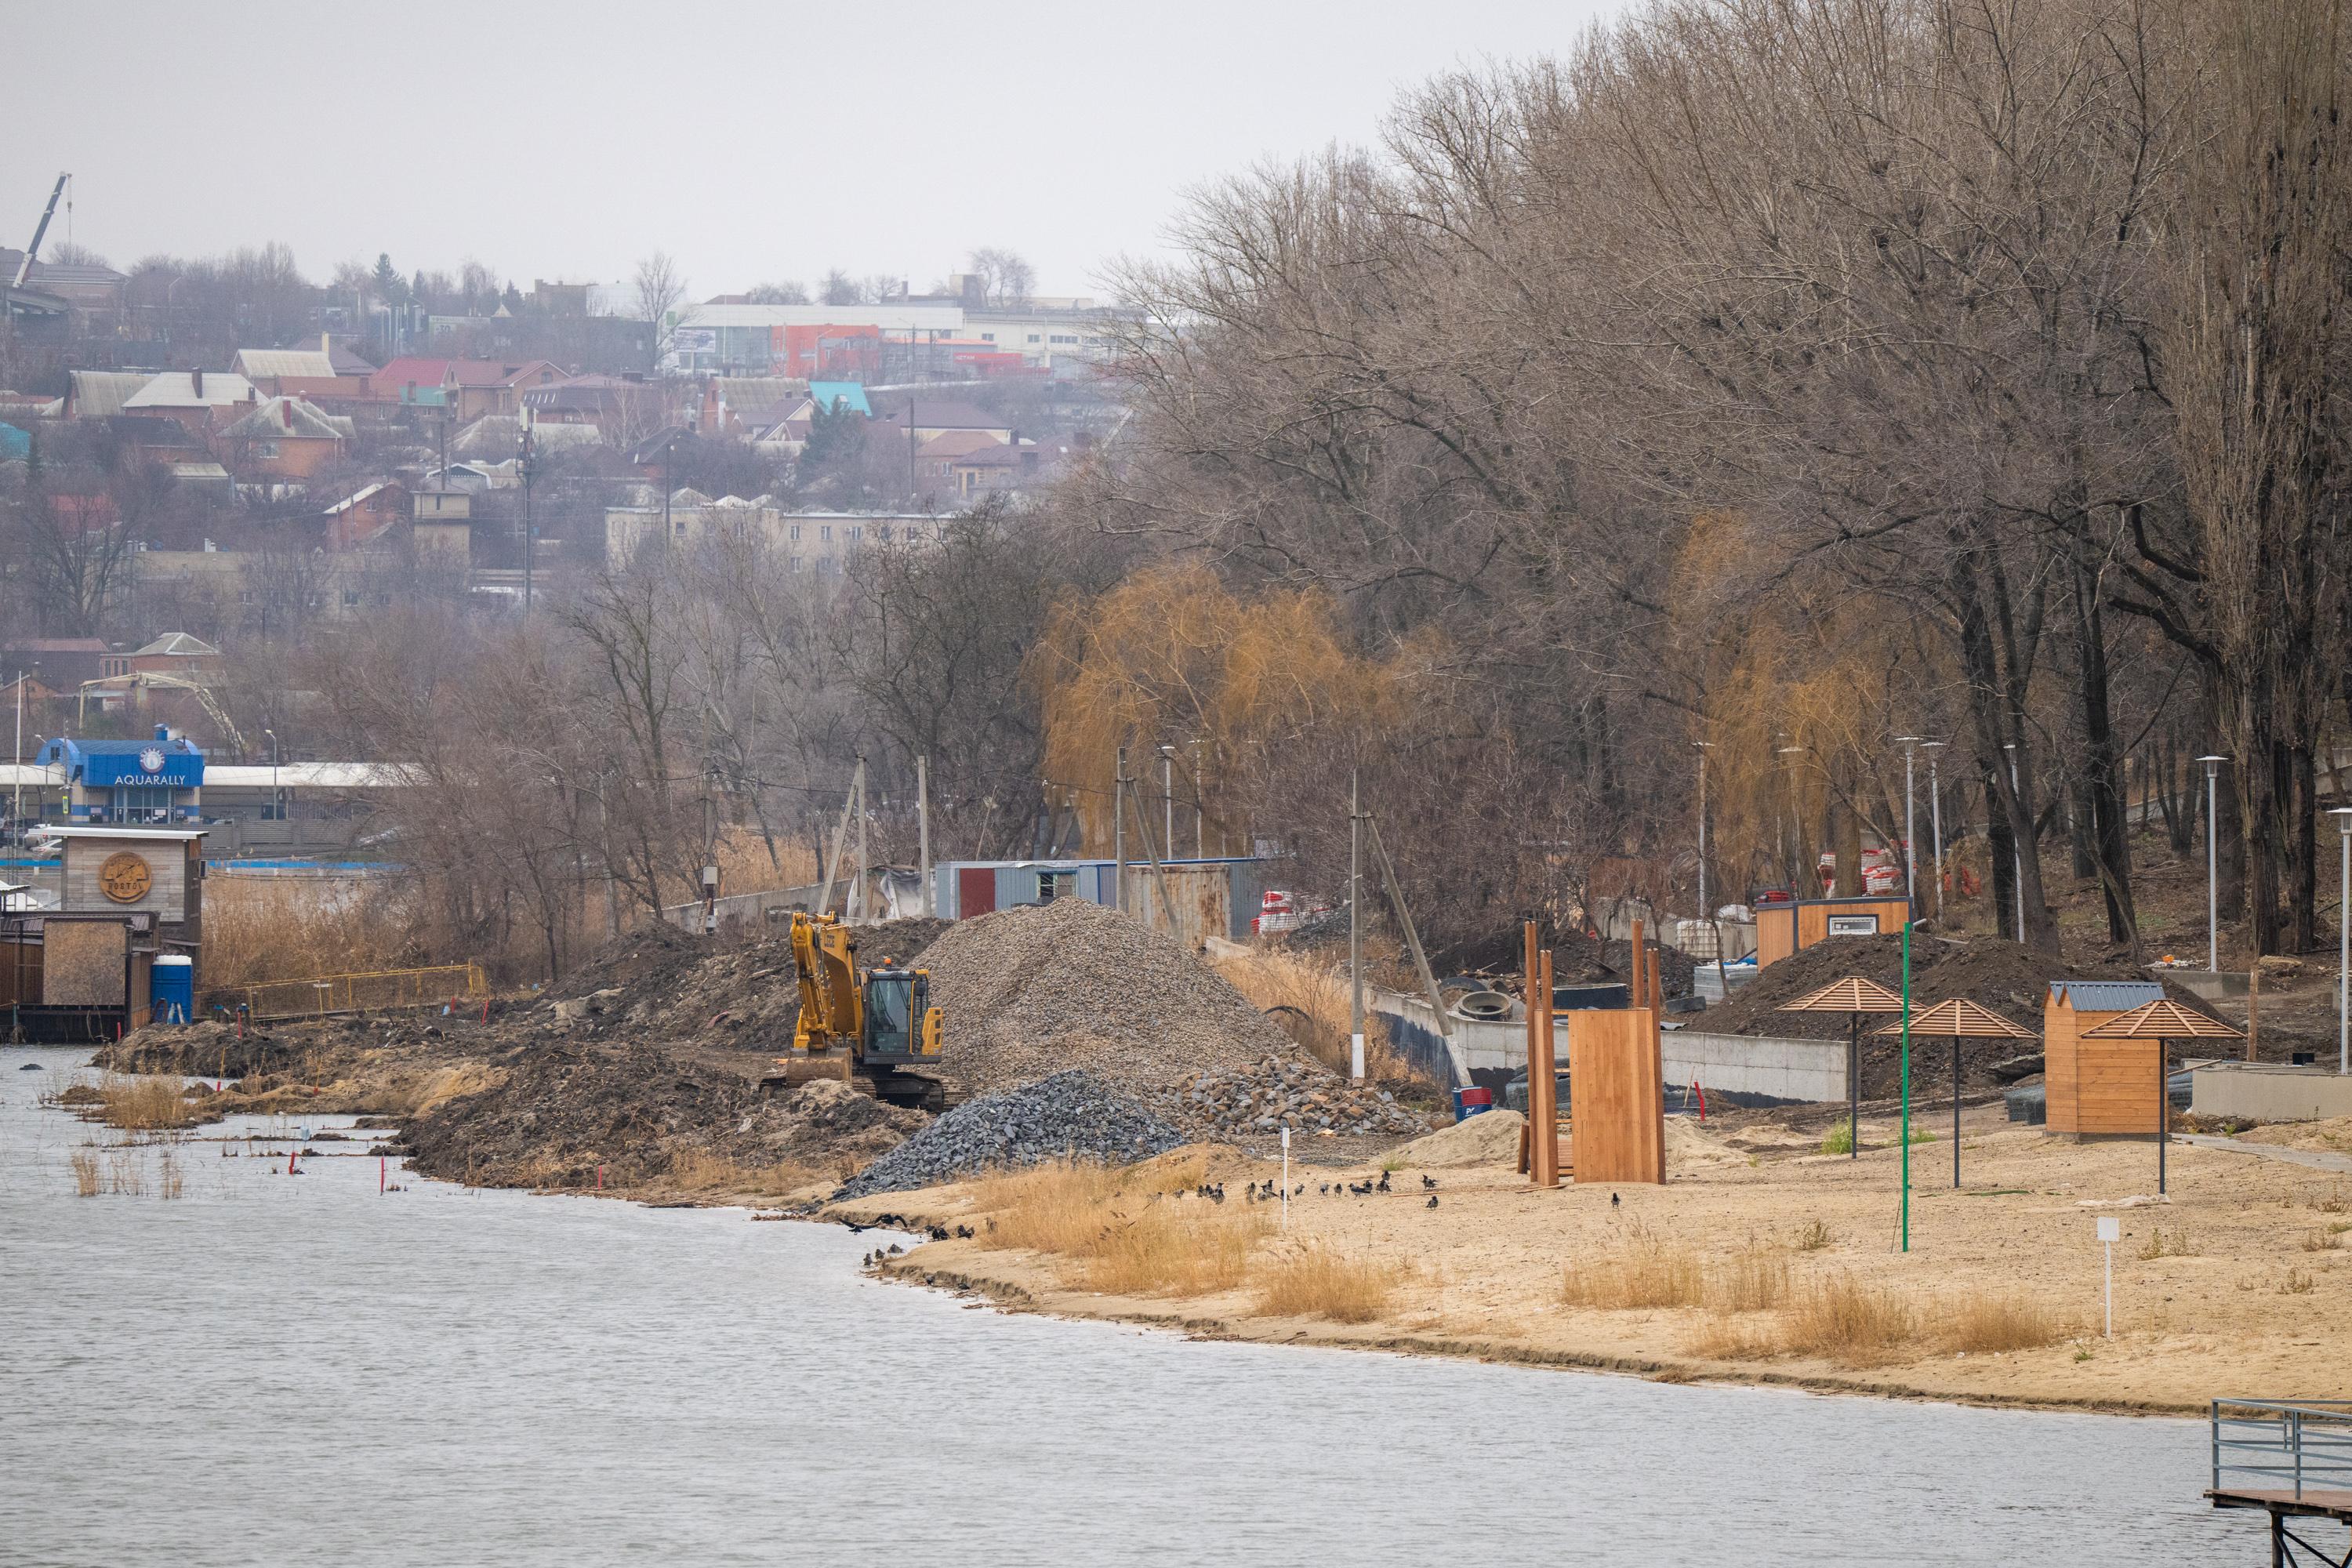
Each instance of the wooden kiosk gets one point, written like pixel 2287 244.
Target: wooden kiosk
pixel 1783 930
pixel 2097 1087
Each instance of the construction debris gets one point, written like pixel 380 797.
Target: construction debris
pixel 1070 1115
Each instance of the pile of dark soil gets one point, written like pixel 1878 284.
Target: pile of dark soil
pixel 562 1108
pixel 2001 976
pixel 1576 960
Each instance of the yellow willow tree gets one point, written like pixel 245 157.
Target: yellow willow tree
pixel 1172 657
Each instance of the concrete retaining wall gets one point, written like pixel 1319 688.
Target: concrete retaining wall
pixel 1760 1065
pixel 2268 1091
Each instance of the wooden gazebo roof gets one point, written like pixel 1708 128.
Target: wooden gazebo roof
pixel 2166 1020
pixel 1852 995
pixel 1964 1018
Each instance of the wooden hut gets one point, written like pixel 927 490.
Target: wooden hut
pixel 2097 1089
pixel 1784 930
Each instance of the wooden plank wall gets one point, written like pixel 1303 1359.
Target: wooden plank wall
pixel 2095 1086
pixel 1776 933
pixel 20 970
pixel 1618 1107
pixel 1813 920
pixel 167 864
pixel 81 962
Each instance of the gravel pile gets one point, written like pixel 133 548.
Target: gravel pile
pixel 1031 990
pixel 1071 1115
pixel 1278 1092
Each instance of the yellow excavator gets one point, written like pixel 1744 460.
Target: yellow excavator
pixel 864 1027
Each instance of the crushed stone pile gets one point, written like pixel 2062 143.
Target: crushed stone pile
pixel 1032 990
pixel 1275 1092
pixel 1071 1115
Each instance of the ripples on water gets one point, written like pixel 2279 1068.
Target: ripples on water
pixel 274 1370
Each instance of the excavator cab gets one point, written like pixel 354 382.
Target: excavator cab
pixel 901 1023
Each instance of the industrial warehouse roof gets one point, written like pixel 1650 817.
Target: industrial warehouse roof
pixel 306 775
pixel 65 830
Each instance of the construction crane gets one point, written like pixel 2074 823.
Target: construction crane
pixel 864 1027
pixel 25 267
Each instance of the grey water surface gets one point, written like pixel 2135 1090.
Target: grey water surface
pixel 280 1369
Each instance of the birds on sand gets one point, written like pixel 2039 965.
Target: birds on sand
pixel 1432 1200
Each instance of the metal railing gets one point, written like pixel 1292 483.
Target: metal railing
pixel 374 991
pixel 2282 1445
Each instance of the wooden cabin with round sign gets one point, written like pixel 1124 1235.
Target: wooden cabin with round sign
pixel 152 876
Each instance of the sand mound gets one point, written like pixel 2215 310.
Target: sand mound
pixel 1490 1138
pixel 1035 991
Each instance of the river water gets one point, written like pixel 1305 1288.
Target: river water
pixel 274 1368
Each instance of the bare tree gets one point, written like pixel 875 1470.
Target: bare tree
pixel 1007 277
pixel 660 291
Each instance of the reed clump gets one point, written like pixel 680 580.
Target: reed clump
pixel 1845 1320
pixel 1986 1321
pixel 260 929
pixel 84 1163
pixel 145 1104
pixel 1312 1002
pixel 1754 1279
pixel 703 1170
pixel 1322 1282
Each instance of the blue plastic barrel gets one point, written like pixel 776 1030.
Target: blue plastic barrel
pixel 172 989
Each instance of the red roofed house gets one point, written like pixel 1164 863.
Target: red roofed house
pixel 284 438
pixel 471 387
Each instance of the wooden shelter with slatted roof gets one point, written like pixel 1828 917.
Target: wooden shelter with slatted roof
pixel 2143 1032
pixel 1959 1019
pixel 1853 996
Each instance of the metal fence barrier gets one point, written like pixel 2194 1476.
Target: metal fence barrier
pixel 376 990
pixel 2279 1446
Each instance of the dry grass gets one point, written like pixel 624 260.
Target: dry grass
pixel 2159 1245
pixel 259 929
pixel 1646 1273
pixel 1316 1005
pixel 1120 1229
pixel 1320 1283
pixel 1986 1321
pixel 1814 1236
pixel 85 1172
pixel 1756 1279
pixel 126 1172
pixel 1842 1319
pixel 700 1171
pixel 745 866
pixel 1723 1337
pixel 145 1104
pixel 449 1083
pixel 170 1179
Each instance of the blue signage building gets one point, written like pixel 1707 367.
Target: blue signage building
pixel 159 780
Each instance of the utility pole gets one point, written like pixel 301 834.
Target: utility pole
pixel 710 846
pixel 1168 798
pixel 1936 818
pixel 2343 816
pixel 17 775
pixel 923 824
pixel 525 466
pixel 1355 931
pixel 1200 808
pixel 858 893
pixel 1118 834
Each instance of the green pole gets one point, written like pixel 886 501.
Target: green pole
pixel 1906 1086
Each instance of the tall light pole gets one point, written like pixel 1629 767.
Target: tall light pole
pixel 17 772
pixel 277 805
pixel 1168 798
pixel 526 465
pixel 1936 818
pixel 2343 816
pixel 1796 874
pixel 2016 845
pixel 2212 867
pixel 1355 931
pixel 1910 861
pixel 1706 910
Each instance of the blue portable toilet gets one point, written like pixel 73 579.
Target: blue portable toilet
pixel 172 990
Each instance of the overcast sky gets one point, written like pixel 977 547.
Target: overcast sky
pixel 753 141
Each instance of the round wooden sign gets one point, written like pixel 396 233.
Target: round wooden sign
pixel 125 877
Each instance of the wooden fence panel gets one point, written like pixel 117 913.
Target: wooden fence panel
pixel 1617 1104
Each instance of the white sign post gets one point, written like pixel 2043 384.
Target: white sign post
pixel 1286 1178
pixel 2111 1230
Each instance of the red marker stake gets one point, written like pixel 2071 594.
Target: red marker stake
pixel 379 1175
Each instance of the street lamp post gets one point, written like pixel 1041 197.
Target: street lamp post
pixel 1796 874
pixel 1168 799
pixel 1910 815
pixel 526 465
pixel 1935 817
pixel 1706 910
pixel 2212 867
pixel 2016 845
pixel 2343 816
